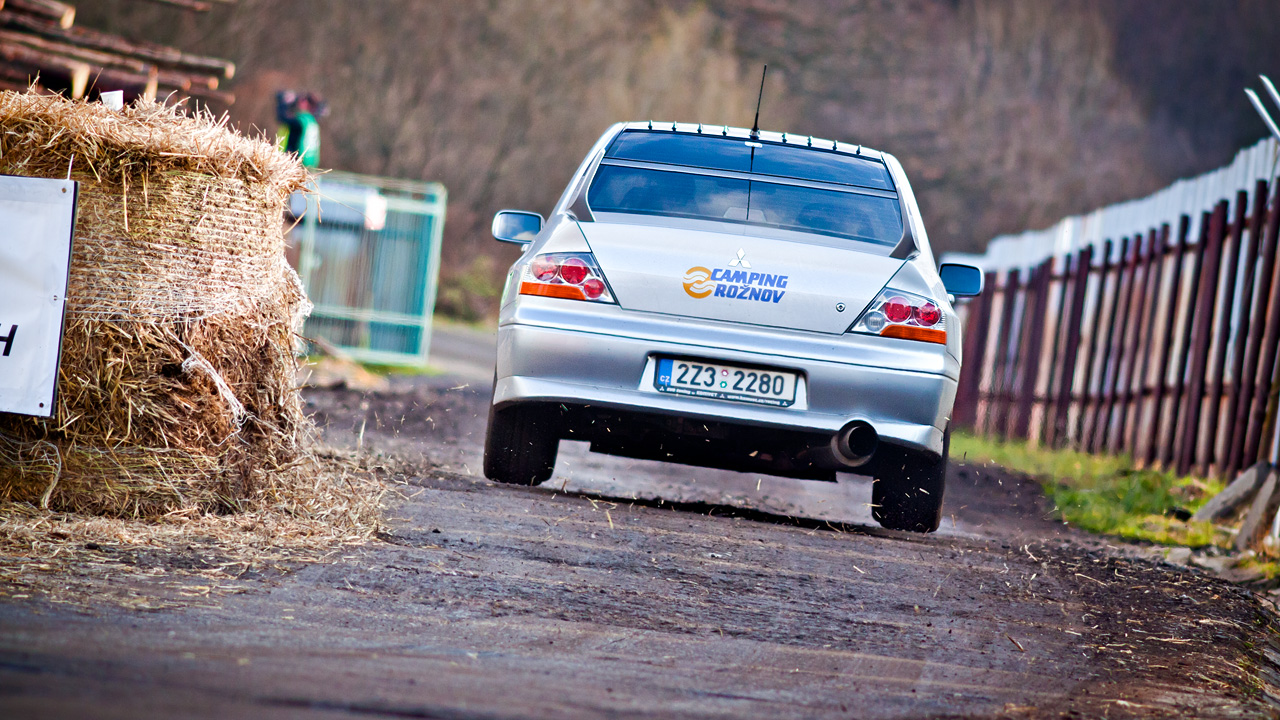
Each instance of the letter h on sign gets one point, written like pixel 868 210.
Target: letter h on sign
pixel 8 340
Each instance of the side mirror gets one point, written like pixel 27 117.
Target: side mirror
pixel 516 226
pixel 961 279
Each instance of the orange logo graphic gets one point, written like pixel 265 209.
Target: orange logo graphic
pixel 697 282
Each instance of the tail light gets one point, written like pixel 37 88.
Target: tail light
pixel 903 315
pixel 572 276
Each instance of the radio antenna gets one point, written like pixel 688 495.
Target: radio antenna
pixel 755 127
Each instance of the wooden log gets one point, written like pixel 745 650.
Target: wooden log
pixel 18 78
pixel 188 81
pixel 1258 521
pixel 76 71
pixel 1239 492
pixel 218 96
pixel 134 84
pixel 166 57
pixel 174 81
pixel 68 50
pixel 61 13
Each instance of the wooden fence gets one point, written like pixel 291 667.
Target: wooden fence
pixel 1159 341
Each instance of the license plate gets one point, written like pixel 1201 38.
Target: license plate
pixel 726 382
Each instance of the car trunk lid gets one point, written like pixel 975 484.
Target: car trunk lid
pixel 737 278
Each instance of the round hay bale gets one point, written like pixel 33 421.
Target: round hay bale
pixel 177 385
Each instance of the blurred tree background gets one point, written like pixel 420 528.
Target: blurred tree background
pixel 1007 114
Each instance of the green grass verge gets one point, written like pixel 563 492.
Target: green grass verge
pixel 1105 494
pixel 406 370
pixel 384 370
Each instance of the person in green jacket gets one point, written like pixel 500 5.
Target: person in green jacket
pixel 299 130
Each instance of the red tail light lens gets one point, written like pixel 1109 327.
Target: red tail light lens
pixel 573 270
pixel 903 315
pixel 543 269
pixel 927 315
pixel 593 288
pixel 571 276
pixel 897 309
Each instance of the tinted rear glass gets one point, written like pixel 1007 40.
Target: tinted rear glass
pixel 788 207
pixel 678 149
pixel 826 212
pixel 656 192
pixel 718 153
pixel 821 165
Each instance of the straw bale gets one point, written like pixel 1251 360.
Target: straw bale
pixel 177 381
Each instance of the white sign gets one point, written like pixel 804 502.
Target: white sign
pixel 36 220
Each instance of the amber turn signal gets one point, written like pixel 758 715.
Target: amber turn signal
pixel 911 332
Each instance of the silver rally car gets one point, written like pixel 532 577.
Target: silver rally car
pixel 746 300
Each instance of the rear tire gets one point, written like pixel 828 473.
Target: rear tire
pixel 521 444
pixel 908 488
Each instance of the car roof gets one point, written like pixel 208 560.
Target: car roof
pixel 769 136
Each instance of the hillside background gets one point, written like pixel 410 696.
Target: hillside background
pixel 1007 115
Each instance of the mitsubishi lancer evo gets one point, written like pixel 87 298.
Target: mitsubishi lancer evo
pixel 737 299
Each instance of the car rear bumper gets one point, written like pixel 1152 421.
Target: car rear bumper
pixel 612 365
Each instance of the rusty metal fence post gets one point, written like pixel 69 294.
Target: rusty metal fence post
pixel 1244 330
pixel 1244 449
pixel 1218 363
pixel 1071 350
pixel 1148 343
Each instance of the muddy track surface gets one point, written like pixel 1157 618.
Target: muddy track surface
pixel 623 588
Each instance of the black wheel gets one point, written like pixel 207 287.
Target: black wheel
pixel 520 444
pixel 908 489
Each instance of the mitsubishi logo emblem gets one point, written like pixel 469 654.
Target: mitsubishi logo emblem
pixel 741 260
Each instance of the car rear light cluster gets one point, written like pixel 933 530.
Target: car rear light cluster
pixel 903 315
pixel 572 276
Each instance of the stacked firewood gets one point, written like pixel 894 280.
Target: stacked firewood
pixel 41 45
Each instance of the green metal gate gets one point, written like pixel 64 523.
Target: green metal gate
pixel 368 253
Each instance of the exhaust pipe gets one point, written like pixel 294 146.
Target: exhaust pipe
pixel 855 443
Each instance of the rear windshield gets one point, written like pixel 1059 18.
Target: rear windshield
pixel 733 154
pixel 700 151
pixel 756 202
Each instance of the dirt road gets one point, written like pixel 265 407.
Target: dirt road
pixel 633 589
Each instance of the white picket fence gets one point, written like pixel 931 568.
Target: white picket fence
pixel 1192 196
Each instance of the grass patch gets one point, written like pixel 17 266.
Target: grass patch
pixel 401 370
pixel 1106 494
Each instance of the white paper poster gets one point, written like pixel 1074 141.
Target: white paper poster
pixel 36 221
